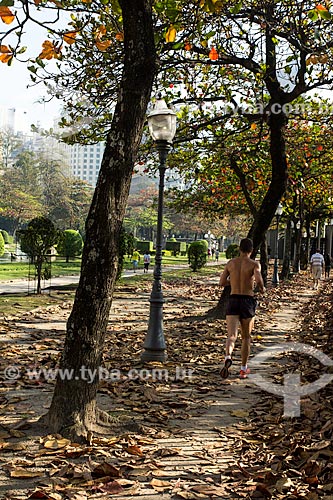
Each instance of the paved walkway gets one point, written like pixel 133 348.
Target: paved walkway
pixel 193 432
pixel 29 286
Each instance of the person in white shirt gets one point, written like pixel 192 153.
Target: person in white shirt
pixel 317 263
pixel 146 262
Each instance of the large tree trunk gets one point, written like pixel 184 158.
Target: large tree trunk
pixel 296 263
pixel 219 311
pixel 264 259
pixel 38 266
pixel 73 410
pixel 285 273
pixel 278 185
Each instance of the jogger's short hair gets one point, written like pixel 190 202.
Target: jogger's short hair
pixel 246 245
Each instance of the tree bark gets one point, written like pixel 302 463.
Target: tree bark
pixel 219 311
pixel 278 184
pixel 264 259
pixel 39 265
pixel 73 410
pixel 285 272
pixel 296 263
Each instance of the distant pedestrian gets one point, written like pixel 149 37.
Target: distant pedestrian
pixel 213 252
pixel 328 263
pixel 317 264
pixel 135 259
pixel 217 254
pixel 146 262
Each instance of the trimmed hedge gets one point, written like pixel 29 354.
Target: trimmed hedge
pixel 144 246
pixel 232 251
pixel 71 244
pixel 197 254
pixel 2 244
pixel 5 235
pixel 176 247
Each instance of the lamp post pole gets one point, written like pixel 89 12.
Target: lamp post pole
pixel 275 279
pixel 154 342
pixel 162 127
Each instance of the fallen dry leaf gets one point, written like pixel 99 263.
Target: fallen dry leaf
pixel 160 485
pixel 20 473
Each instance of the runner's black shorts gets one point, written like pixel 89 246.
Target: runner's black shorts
pixel 243 306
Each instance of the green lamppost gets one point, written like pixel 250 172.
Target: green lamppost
pixel 162 128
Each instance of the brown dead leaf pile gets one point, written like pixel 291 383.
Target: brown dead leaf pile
pixel 292 458
pixel 173 449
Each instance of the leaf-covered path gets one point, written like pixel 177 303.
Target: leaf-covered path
pixel 180 431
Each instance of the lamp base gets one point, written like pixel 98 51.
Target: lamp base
pixel 149 355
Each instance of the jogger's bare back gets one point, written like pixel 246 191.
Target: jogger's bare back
pixel 242 272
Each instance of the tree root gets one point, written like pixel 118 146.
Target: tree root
pixel 100 423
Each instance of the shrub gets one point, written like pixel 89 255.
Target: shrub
pixel 5 235
pixel 144 246
pixel 2 245
pixel 71 244
pixel 232 251
pixel 176 247
pixel 36 241
pixel 127 243
pixel 197 254
pixel 130 242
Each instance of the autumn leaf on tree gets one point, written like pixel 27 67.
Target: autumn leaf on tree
pixel 120 36
pixel 5 54
pixel 70 37
pixel 170 35
pixel 102 45
pixel 6 15
pixel 322 11
pixel 50 50
pixel 213 54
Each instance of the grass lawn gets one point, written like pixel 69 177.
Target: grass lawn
pixel 20 270
pixel 167 261
pixel 18 303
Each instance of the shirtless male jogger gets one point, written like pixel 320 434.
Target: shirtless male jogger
pixel 240 273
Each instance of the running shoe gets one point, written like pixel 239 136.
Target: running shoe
pixel 225 369
pixel 244 373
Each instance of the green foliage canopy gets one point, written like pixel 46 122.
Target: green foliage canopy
pixel 70 244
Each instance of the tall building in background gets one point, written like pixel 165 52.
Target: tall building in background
pixel 14 138
pixel 80 161
pixel 14 119
pixel 86 161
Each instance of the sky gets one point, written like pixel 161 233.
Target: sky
pixel 15 79
pixel 15 94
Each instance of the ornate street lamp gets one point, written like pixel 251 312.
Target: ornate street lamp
pixel 162 128
pixel 278 213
